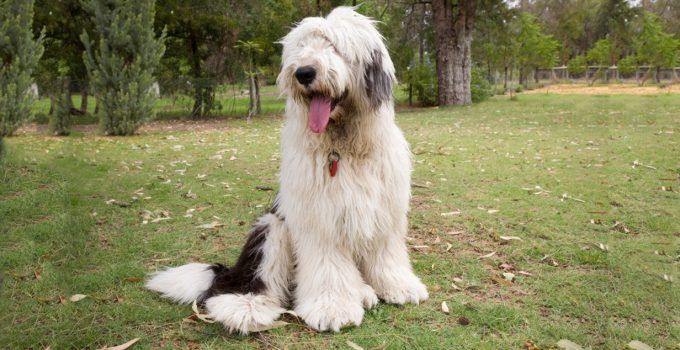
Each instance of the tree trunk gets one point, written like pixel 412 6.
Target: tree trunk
pixel 453 39
pixel 51 105
pixel 258 104
pixel 83 100
pixel 505 78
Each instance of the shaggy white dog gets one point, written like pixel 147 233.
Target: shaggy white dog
pixel 335 236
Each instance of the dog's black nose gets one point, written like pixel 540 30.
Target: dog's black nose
pixel 305 75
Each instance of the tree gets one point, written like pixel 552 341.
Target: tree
pixel 64 22
pixel 121 71
pixel 252 49
pixel 202 34
pixel 535 49
pixel 655 47
pixel 453 26
pixel 601 56
pixel 19 56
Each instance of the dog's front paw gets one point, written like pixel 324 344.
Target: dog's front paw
pixel 331 311
pixel 368 297
pixel 404 290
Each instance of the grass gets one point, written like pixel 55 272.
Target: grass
pixel 60 237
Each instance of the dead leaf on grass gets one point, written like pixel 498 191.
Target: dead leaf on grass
pixel 77 297
pixel 212 225
pixel 509 238
pixel 463 321
pixel 487 255
pixel 506 266
pixel 448 246
pixel 62 299
pixel 509 276
pixel 445 308
pixel 352 345
pixel 454 233
pixel 568 345
pixel 122 346
pixel 199 315
pixel 451 213
pixel 529 345
pixel 38 275
pixel 638 345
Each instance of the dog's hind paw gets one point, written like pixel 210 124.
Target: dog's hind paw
pixel 331 312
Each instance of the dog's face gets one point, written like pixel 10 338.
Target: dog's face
pixel 335 66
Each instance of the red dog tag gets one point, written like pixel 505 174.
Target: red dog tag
pixel 333 160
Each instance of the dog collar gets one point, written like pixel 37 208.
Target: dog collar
pixel 333 159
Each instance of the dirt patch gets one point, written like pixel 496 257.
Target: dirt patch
pixel 150 127
pixel 613 89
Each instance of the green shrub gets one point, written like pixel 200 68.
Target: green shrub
pixel 60 120
pixel 480 88
pixel 577 65
pixel 628 64
pixel 19 56
pixel 422 79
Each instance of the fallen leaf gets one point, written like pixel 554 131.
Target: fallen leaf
pixel 273 325
pixel 525 273
pixel 62 299
pixel 568 345
pixel 667 278
pixel 603 247
pixel 122 346
pixel 638 345
pixel 445 308
pixel 38 275
pixel 454 233
pixel 487 255
pixel 451 213
pixel 77 297
pixel 458 280
pixel 509 276
pixel 211 225
pixel 506 266
pixel 353 345
pixel 448 246
pixel 199 315
pixel 463 321
pixel 529 345
pixel 510 238
pixel 492 211
pixel 455 287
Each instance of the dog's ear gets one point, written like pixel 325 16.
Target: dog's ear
pixel 379 82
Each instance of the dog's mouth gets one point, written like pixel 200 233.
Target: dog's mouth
pixel 320 108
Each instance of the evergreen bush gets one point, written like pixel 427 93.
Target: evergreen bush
pixel 19 56
pixel 121 70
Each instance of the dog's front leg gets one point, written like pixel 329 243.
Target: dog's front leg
pixel 388 270
pixel 330 292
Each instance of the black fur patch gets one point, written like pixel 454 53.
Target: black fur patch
pixel 378 82
pixel 241 278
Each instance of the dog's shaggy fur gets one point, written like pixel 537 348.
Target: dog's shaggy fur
pixel 334 241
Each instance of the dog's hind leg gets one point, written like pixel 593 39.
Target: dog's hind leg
pixel 250 294
pixel 254 292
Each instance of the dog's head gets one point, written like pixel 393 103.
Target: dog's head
pixel 336 65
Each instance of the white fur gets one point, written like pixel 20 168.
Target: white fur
pixel 243 313
pixel 339 240
pixel 347 231
pixel 182 284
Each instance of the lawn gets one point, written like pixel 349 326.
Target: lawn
pixel 576 196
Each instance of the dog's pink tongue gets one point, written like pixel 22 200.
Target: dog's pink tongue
pixel 319 113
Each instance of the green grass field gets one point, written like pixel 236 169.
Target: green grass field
pixel 588 184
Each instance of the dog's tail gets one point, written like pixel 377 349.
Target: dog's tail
pixel 249 295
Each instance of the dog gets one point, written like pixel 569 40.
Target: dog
pixel 333 242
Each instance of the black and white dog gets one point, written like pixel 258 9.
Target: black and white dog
pixel 334 241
